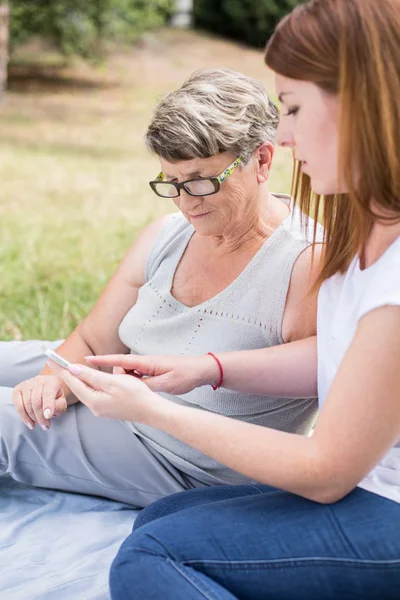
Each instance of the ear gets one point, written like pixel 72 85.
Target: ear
pixel 264 155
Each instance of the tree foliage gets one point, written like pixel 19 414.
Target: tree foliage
pixel 80 26
pixel 252 21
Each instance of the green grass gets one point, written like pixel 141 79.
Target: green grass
pixel 74 173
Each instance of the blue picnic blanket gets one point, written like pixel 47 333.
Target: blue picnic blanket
pixel 56 545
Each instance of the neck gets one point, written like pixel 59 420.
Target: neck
pixel 253 228
pixel 381 237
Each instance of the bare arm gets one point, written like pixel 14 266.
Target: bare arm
pixel 347 443
pixel 300 317
pixel 98 333
pixel 286 371
pixel 359 422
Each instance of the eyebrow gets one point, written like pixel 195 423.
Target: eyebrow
pixel 283 94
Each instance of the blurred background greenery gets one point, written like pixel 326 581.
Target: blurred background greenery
pixel 251 21
pixel 83 78
pixel 84 26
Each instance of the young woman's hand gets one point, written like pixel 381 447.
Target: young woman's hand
pixel 170 374
pixel 111 396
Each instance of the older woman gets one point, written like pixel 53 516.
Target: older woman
pixel 230 271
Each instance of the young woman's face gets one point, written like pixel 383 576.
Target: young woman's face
pixel 309 125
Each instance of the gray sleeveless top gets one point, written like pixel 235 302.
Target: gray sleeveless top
pixel 245 315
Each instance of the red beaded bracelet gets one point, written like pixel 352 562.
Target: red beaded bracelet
pixel 221 372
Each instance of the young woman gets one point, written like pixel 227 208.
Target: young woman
pixel 329 527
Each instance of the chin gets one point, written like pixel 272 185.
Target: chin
pixel 323 188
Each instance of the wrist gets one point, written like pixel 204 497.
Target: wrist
pixel 212 371
pixel 158 410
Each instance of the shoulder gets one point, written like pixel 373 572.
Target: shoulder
pixel 147 237
pixel 160 232
pixel 301 304
pixel 171 239
pixel 302 225
pixel 132 266
pixel 308 264
pixel 298 223
pixel 382 281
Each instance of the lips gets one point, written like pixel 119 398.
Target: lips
pixel 199 215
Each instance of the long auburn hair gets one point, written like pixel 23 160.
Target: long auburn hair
pixel 350 48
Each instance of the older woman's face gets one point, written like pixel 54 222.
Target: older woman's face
pixel 235 202
pixel 309 125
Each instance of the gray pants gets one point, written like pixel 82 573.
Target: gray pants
pixel 80 452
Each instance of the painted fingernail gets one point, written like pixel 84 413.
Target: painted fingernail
pixel 75 369
pixel 29 426
pixel 45 428
pixel 47 413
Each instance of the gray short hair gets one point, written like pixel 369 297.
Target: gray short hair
pixel 215 110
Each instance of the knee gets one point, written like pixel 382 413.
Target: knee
pixel 9 418
pixel 21 360
pixel 11 356
pixel 173 504
pixel 150 513
pixel 134 565
pixel 160 508
pixel 124 572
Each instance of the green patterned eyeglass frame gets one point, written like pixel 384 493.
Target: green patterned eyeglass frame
pixel 216 181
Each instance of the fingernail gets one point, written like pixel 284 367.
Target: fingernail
pixel 44 427
pixel 89 356
pixel 29 426
pixel 47 413
pixel 53 365
pixel 75 369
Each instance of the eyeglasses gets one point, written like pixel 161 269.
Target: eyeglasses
pixel 201 186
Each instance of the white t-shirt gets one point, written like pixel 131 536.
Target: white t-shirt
pixel 342 301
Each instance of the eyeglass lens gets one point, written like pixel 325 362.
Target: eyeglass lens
pixel 196 187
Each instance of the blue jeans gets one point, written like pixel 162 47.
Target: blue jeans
pixel 257 543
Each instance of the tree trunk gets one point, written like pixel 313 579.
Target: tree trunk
pixel 4 38
pixel 183 16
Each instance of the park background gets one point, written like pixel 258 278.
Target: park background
pixel 77 94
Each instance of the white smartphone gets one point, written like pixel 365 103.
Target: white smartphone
pixel 56 357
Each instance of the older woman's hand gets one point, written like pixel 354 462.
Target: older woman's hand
pixel 39 399
pixel 170 374
pixel 115 396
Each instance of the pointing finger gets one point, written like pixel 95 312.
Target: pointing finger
pixel 128 362
pixel 97 380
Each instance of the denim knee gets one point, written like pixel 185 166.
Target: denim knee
pixel 134 562
pixel 145 516
pixel 192 498
pixel 163 507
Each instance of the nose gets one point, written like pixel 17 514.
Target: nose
pixel 284 136
pixel 187 202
